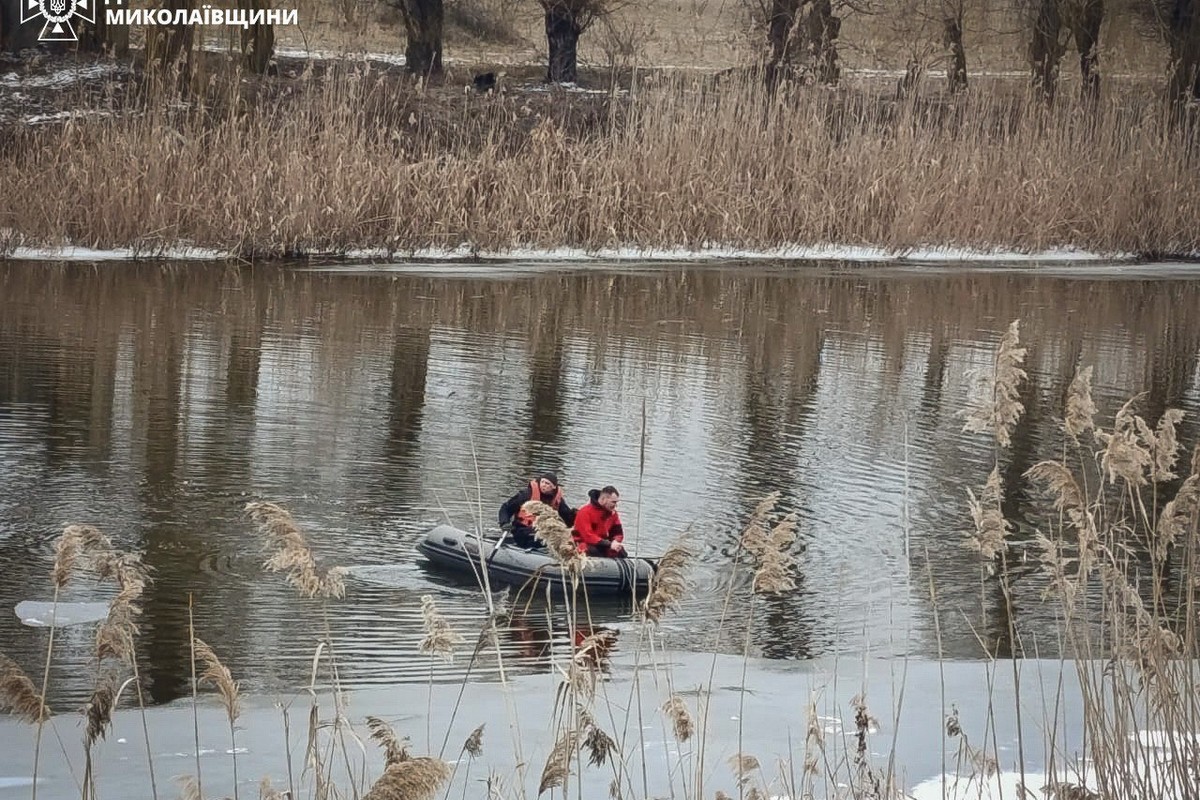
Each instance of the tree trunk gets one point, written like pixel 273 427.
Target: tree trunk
pixel 1045 49
pixel 258 41
pixel 563 29
pixel 952 38
pixel 822 27
pixel 781 29
pixel 423 20
pixel 100 37
pixel 167 44
pixel 1184 86
pixel 1087 41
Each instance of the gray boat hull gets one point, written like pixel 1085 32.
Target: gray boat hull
pixel 516 566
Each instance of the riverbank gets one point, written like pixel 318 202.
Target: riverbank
pixel 335 157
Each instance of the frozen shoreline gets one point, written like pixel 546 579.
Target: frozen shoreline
pixel 465 253
pixel 753 720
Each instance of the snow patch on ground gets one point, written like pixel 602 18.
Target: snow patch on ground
pixel 577 255
pixel 60 78
pixel 71 253
pixel 826 252
pixel 56 116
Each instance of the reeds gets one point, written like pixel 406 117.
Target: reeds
pixel 413 779
pixel 18 695
pixel 356 160
pixel 669 582
pixel 290 553
pixel 550 530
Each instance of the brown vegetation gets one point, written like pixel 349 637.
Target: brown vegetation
pixel 357 161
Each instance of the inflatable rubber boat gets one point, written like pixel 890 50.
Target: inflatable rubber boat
pixel 510 564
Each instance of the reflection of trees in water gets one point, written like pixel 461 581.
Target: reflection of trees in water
pixel 157 381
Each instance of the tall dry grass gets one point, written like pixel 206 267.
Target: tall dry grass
pixel 354 159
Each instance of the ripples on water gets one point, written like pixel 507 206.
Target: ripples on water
pixel 155 401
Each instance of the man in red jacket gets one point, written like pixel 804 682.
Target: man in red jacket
pixel 597 529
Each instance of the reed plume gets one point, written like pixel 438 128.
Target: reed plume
pixel 1164 445
pixel 743 764
pixel 1080 415
pixel 1060 483
pixel 290 553
pixel 440 639
pixel 218 675
pixel 189 788
pixel 99 708
pixel 669 582
pixel 776 564
pixel 594 649
pixel 1126 456
pixel 395 749
pixel 413 779
pixel 18 695
pixel 551 531
pixel 75 541
pixel 558 765
pixel 1178 517
pixel 681 719
pixel 600 745
pixel 989 537
pixel 115 636
pixel 995 405
pixel 267 791
pixel 474 743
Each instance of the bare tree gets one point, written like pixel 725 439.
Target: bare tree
pixel 423 23
pixel 1046 47
pixel 169 44
pixel 1086 19
pixel 953 12
pixel 566 21
pixel 258 40
pixel 1054 22
pixel 1182 18
pixel 804 33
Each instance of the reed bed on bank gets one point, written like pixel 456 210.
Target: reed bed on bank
pixel 355 159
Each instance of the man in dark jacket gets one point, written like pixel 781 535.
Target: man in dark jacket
pixel 544 489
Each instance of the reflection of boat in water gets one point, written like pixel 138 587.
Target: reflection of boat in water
pixel 507 563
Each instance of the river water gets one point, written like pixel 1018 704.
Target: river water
pixel 154 401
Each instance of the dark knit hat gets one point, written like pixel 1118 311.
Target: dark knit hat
pixel 549 476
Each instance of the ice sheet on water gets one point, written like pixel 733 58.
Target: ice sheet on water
pixel 9 782
pixel 43 614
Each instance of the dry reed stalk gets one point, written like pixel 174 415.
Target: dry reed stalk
pixel 1080 416
pixel 681 719
pixel 267 791
pixel 413 779
pixel 189 788
pixel 395 749
pixel 218 675
pixel 989 538
pixel 743 766
pixel 474 743
pixel 337 165
pixel 290 553
pixel 440 639
pixel 1126 456
pixel 669 583
pixel 18 695
pixel 550 530
pixel 775 573
pixel 996 406
pixel 593 651
pixel 558 766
